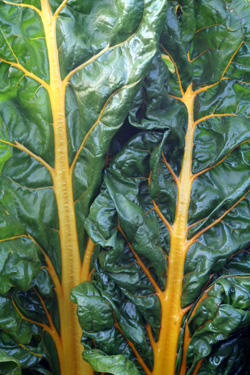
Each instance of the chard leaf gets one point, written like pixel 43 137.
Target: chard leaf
pixel 8 365
pixel 69 71
pixel 116 364
pixel 222 311
pixel 172 219
pixel 19 264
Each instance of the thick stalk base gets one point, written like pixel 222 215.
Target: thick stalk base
pixel 72 349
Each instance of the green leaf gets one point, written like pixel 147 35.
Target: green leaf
pixel 91 304
pixel 116 364
pixel 222 312
pixel 8 365
pixel 5 150
pixel 168 62
pixel 19 264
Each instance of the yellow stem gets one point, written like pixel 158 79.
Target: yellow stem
pixel 172 314
pixel 186 342
pixel 198 366
pixel 71 362
pixel 85 271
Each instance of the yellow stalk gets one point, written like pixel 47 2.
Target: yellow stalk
pixel 172 314
pixel 186 342
pixel 71 362
pixel 165 350
pixel 85 271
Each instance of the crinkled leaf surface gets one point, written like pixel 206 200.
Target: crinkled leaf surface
pixel 69 71
pixel 172 219
pixel 227 300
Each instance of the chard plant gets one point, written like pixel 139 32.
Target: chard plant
pixel 170 291
pixel 69 71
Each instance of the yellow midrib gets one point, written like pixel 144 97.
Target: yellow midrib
pixel 165 350
pixel 172 314
pixel 71 361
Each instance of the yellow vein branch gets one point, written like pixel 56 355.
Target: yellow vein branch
pixel 150 336
pixel 51 331
pixel 51 270
pixel 82 66
pixel 21 147
pixel 194 224
pixel 213 116
pixel 165 221
pixel 42 325
pixel 176 97
pixel 51 324
pixel 230 61
pixel 215 165
pixel 13 238
pixel 92 59
pixel 28 188
pixel 138 357
pixel 13 53
pixel 96 123
pixel 198 366
pixel 28 350
pixel 23 6
pixel 197 235
pixel 176 69
pixel 64 3
pixel 205 88
pixel 195 58
pixel 27 73
pixel 141 264
pixel 186 342
pixel 176 179
pixel 85 270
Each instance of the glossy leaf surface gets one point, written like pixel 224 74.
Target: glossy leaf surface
pixel 173 214
pixel 69 71
pixel 8 364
